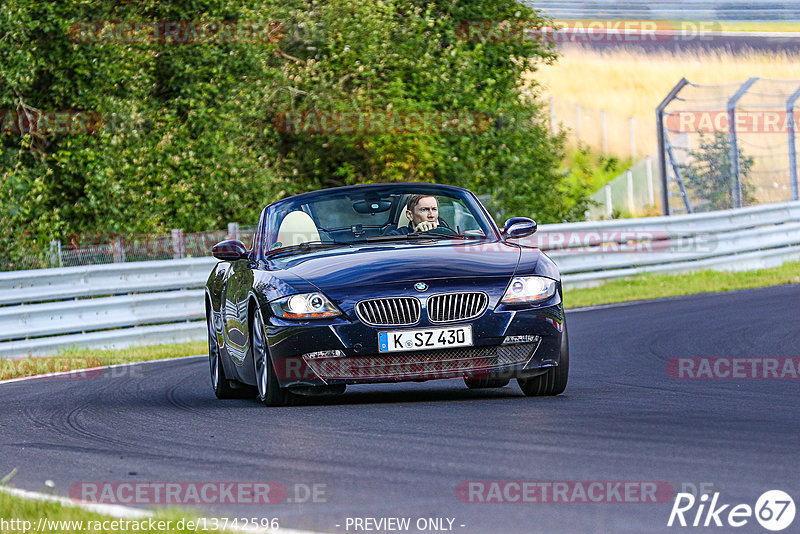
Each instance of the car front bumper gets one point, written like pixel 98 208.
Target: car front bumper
pixel 506 344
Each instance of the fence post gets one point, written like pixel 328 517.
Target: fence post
pixel 736 185
pixel 609 207
pixel 633 138
pixel 553 127
pixel 118 249
pixel 603 131
pixel 178 250
pixel 661 135
pixel 233 231
pixel 629 177
pixel 792 148
pixel 55 254
pixel 651 196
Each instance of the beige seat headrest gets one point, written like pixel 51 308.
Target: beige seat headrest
pixel 296 228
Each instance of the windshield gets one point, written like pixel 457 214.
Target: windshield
pixel 374 213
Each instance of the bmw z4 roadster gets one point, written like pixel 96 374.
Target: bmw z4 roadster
pixel 383 283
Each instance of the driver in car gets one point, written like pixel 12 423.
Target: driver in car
pixel 423 215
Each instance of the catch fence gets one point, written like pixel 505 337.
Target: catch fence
pixel 727 146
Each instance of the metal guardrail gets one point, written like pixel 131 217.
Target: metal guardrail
pixel 755 10
pixel 110 305
pixel 590 253
pixel 117 305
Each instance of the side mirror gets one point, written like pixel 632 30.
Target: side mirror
pixel 517 227
pixel 230 250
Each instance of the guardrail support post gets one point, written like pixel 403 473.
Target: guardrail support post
pixel 178 250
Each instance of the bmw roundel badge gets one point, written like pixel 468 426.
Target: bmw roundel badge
pixel 421 286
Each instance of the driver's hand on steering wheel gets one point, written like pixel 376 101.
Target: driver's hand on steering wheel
pixel 424 226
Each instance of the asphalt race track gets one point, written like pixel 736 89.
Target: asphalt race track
pixel 402 450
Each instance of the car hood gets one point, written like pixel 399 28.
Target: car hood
pixel 367 265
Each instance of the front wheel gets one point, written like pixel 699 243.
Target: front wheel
pixel 269 392
pixel 220 384
pixel 554 381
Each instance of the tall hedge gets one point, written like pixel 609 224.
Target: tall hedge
pixel 189 135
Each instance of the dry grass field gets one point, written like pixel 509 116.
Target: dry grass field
pixel 630 82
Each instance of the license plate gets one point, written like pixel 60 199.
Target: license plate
pixel 424 339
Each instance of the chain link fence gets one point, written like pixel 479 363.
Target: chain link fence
pixel 93 249
pixel 727 146
pixel 634 193
pixel 605 132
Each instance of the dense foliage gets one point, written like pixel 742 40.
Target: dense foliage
pixel 709 178
pixel 188 136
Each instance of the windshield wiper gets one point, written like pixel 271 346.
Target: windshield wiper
pixel 419 235
pixel 303 247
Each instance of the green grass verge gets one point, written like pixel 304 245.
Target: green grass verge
pixel 15 511
pixel 80 358
pixel 644 287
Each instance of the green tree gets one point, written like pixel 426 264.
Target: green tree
pixel 189 137
pixel 708 176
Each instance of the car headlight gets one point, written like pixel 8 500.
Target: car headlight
pixel 304 306
pixel 529 290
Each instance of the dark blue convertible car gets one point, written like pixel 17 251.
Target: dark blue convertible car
pixel 383 283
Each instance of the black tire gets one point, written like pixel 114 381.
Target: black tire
pixel 219 382
pixel 554 381
pixel 269 391
pixel 481 383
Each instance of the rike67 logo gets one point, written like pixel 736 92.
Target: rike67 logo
pixel 774 510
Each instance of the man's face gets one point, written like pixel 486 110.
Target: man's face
pixel 427 209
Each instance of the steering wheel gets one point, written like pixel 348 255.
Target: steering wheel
pixel 442 229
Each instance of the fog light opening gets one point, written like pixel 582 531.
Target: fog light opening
pixel 323 354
